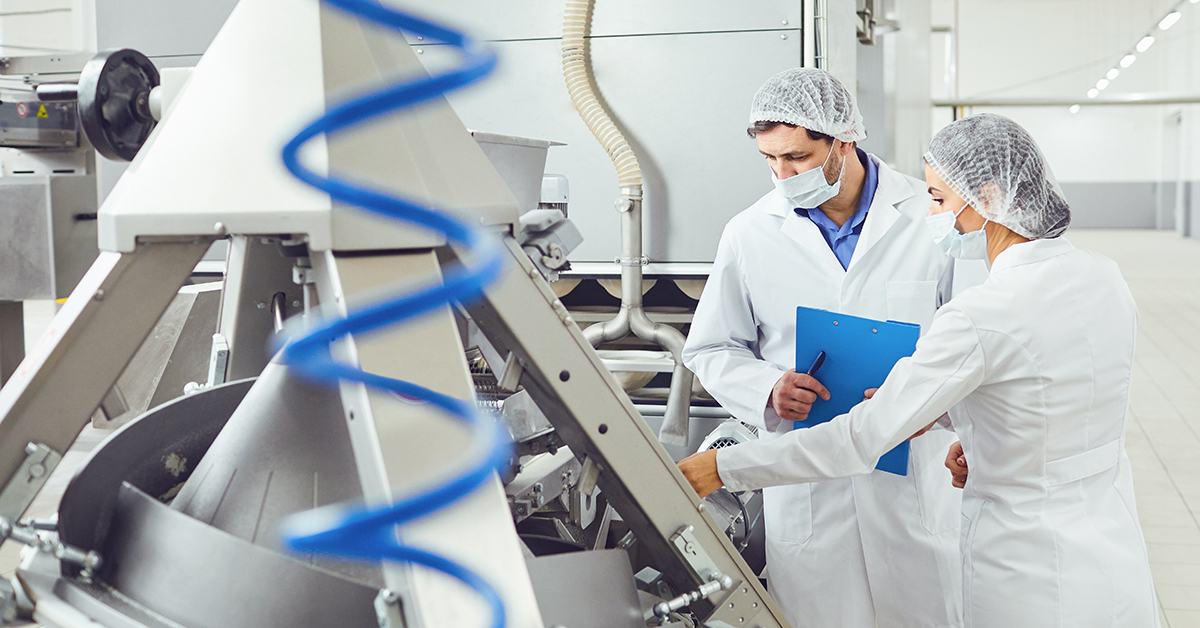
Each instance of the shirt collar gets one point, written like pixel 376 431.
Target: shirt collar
pixel 870 183
pixel 1031 252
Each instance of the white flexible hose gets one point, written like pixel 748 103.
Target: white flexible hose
pixel 579 85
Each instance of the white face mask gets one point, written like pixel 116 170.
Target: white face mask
pixel 971 245
pixel 809 189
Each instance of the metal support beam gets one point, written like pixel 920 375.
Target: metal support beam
pixel 566 378
pixel 52 394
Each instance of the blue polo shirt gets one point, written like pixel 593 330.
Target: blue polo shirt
pixel 844 239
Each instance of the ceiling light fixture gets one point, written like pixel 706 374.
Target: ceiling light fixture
pixel 1112 74
pixel 1145 43
pixel 1128 59
pixel 1093 92
pixel 1169 21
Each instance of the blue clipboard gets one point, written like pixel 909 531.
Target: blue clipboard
pixel 859 354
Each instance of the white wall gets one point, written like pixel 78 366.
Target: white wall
pixel 1059 49
pixel 38 27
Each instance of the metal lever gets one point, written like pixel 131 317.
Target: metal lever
pixel 720 582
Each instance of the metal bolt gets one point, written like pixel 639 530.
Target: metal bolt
pixel 690 548
pixel 37 471
pixel 783 36
pixel 389 596
pixel 99 296
pixel 31 448
pixel 262 305
pixel 420 51
pixel 219 228
pixel 295 304
pixel 785 22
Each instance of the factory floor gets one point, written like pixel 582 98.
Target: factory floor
pixel 1163 441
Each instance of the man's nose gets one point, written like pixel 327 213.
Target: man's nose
pixel 785 170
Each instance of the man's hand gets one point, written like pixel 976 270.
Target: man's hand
pixel 701 470
pixel 794 394
pixel 956 461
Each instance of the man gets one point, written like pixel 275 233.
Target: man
pixel 843 232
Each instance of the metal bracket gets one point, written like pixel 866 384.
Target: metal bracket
pixel 39 462
pixel 510 374
pixel 693 553
pixel 588 476
pixel 387 609
pixel 218 361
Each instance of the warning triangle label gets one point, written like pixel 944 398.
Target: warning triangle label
pixel 42 113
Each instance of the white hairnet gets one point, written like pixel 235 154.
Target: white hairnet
pixel 812 99
pixel 994 165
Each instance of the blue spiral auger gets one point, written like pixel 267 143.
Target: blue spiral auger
pixel 365 532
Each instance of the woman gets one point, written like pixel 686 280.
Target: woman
pixel 1034 368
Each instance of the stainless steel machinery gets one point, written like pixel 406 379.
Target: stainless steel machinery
pixel 174 520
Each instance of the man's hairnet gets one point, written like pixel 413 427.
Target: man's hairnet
pixel 994 165
pixel 812 99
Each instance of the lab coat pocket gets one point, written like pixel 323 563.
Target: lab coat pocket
pixel 912 302
pixel 787 512
pixel 939 501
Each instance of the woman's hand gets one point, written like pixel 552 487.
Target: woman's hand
pixel 956 461
pixel 700 469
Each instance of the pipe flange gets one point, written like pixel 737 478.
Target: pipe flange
pixel 632 261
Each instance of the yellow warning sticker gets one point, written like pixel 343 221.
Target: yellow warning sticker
pixel 42 113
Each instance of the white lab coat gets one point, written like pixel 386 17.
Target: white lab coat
pixel 852 553
pixel 1038 359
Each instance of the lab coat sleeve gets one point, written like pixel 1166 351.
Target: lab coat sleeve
pixel 947 365
pixel 720 347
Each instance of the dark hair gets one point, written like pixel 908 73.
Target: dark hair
pixel 762 127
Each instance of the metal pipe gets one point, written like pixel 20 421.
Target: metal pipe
pixel 821 39
pixel 57 91
pixel 278 310
pixel 1114 100
pixel 631 317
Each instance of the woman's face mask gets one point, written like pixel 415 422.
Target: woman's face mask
pixel 945 233
pixel 809 189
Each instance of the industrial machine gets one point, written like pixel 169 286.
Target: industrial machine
pixel 178 519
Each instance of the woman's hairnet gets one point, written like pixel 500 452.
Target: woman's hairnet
pixel 994 165
pixel 812 99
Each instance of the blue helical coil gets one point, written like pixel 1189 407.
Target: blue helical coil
pixel 370 533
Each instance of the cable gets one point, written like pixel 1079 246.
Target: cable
pixel 365 532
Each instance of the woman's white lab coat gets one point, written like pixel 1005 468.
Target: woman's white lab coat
pixel 877 549
pixel 1038 359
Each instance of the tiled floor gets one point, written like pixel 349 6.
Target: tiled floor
pixel 1163 271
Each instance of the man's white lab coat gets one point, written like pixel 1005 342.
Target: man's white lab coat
pixel 849 552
